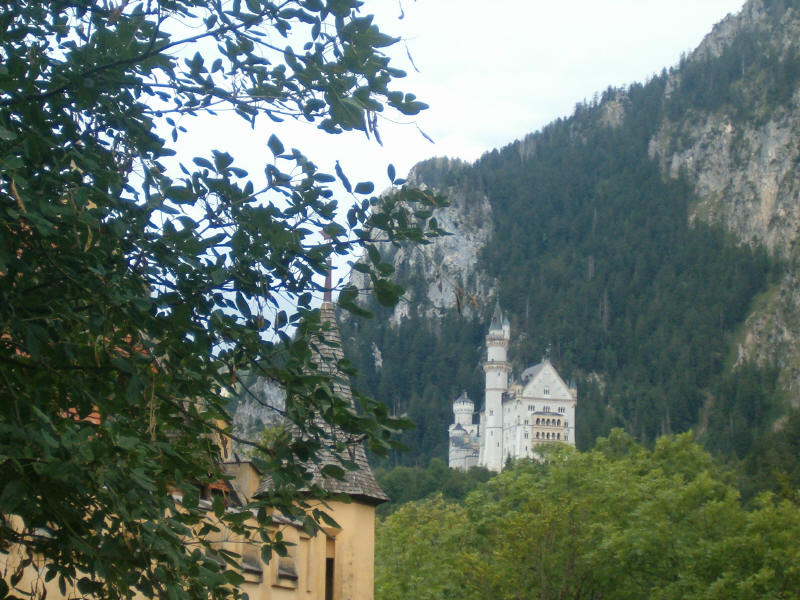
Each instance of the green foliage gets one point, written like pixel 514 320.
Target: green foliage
pixel 774 460
pixel 415 550
pixel 130 297
pixel 595 257
pixel 620 521
pixel 407 484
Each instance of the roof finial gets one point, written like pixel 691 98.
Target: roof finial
pixel 497 317
pixel 326 294
pixel 326 297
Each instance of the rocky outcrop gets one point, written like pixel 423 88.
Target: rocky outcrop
pixel 444 270
pixel 258 405
pixel 745 174
pixel 771 334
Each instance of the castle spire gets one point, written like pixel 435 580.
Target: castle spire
pixel 358 483
pixel 497 317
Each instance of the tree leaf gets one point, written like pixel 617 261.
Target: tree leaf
pixel 275 145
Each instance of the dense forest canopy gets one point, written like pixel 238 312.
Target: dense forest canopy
pixel 595 256
pixel 619 522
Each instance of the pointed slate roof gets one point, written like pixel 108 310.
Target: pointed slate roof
pixel 359 483
pixel 497 318
pixel 533 371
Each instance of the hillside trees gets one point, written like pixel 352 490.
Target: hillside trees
pixel 620 521
pixel 594 256
pixel 133 290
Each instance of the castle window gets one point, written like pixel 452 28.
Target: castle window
pixel 538 421
pixel 537 435
pixel 526 421
pixel 558 436
pixel 566 437
pixel 558 422
pixel 526 435
pixel 491 412
pixel 548 435
pixel 530 407
pixel 546 391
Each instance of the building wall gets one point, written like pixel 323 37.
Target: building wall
pixel 351 547
pixel 497 370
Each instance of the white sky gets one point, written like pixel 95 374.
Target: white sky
pixel 494 71
pixel 491 71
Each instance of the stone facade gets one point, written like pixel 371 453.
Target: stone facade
pixel 518 415
pixel 464 440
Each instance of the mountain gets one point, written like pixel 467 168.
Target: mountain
pixel 650 240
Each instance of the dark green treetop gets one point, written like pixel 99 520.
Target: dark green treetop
pixel 130 297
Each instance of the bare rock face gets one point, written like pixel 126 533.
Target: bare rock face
pixel 259 405
pixel 447 266
pixel 612 112
pixel 746 177
pixel 753 14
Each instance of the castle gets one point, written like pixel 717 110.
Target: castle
pixel 517 416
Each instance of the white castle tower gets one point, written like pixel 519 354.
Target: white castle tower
pixel 518 417
pixel 463 408
pixel 496 368
pixel 464 443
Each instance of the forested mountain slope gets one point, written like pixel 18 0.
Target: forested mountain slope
pixel 648 240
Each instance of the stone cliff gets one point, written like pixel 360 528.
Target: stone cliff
pixel 740 155
pixel 744 171
pixel 444 269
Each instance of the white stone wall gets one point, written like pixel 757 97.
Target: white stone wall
pixel 496 369
pixel 508 426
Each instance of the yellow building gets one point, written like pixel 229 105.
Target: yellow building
pixel 339 563
pixel 336 564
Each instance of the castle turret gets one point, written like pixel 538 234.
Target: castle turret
pixel 496 368
pixel 464 442
pixel 463 408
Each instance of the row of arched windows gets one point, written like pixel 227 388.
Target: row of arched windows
pixel 548 436
pixel 556 422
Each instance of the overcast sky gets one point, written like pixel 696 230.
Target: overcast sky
pixel 495 70
pixel 491 71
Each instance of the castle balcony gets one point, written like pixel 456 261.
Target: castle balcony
pixel 497 364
